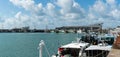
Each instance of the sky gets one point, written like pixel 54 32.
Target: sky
pixel 57 13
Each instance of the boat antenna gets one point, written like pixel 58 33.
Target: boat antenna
pixel 41 44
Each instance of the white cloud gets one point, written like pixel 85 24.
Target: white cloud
pixel 107 12
pixel 62 4
pixel 70 10
pixel 111 2
pixel 63 12
pixel 50 10
pixel 18 20
pixel 115 13
pixel 27 4
pixel 98 8
pixel 69 6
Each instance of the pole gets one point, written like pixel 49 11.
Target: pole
pixel 41 44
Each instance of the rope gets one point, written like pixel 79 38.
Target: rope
pixel 47 51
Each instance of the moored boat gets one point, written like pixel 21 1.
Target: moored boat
pixel 100 50
pixel 72 49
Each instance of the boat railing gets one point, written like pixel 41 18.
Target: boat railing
pixel 78 40
pixel 103 43
pixel 95 55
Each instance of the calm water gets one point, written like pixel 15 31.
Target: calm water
pixel 25 44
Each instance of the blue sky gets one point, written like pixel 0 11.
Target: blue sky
pixel 6 6
pixel 55 13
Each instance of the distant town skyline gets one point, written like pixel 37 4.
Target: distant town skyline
pixel 56 13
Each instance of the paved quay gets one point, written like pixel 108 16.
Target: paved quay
pixel 114 53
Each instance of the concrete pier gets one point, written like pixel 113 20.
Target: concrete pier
pixel 114 53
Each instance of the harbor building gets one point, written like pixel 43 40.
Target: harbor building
pixel 93 28
pixel 23 29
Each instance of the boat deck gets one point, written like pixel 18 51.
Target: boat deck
pixel 114 53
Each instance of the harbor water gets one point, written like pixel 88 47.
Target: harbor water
pixel 26 44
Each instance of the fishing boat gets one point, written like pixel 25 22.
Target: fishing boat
pixel 100 50
pixel 89 45
pixel 74 49
pixel 79 31
pixel 86 45
pixel 61 31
